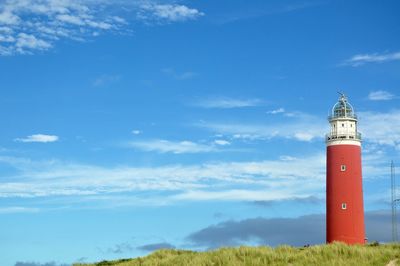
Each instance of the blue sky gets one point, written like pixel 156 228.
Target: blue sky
pixel 134 125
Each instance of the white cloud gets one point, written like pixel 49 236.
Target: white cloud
pixel 302 130
pixel 119 19
pixel 104 80
pixel 361 59
pixel 278 179
pixel 228 103
pixel 276 111
pixel 70 19
pixel 7 18
pixel 222 142
pixel 286 177
pixel 136 132
pixel 186 75
pixel 5 29
pixel 380 96
pixel 35 25
pixel 7 210
pixel 179 76
pixel 170 12
pixel 287 158
pixel 304 136
pixel 239 195
pixel 7 38
pixel 381 128
pixel 177 147
pixel 376 128
pixel 300 115
pixel 38 138
pixel 28 41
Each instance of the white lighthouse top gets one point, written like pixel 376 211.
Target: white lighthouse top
pixel 342 109
pixel 343 121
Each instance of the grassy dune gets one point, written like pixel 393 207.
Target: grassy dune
pixel 334 254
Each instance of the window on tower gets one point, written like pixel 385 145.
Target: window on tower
pixel 344 206
pixel 343 168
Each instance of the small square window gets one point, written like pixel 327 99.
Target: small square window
pixel 342 125
pixel 343 168
pixel 344 206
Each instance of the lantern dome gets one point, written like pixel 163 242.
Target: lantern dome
pixel 343 109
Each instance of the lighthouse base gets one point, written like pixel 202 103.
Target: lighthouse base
pixel 344 195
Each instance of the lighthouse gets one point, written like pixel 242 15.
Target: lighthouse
pixel 344 194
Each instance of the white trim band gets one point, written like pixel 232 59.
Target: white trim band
pixel 343 142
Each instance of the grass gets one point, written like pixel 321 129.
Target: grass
pixel 333 254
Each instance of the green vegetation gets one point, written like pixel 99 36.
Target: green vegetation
pixel 333 254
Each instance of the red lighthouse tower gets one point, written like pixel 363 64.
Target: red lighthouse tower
pixel 344 195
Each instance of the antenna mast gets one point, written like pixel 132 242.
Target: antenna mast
pixel 394 202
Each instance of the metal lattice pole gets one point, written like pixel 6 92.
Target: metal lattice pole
pixel 394 202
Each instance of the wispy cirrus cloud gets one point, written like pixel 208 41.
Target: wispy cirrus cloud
pixel 16 209
pixel 301 129
pixel 179 76
pixel 258 180
pixel 29 26
pixel 104 80
pixel 280 179
pixel 238 195
pixel 177 147
pixel 255 10
pixel 136 132
pixel 169 12
pixel 362 59
pixel 276 111
pixel 381 128
pixel 228 103
pixel 381 95
pixel 222 142
pixel 38 138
